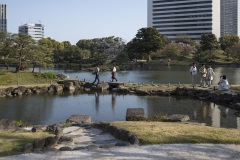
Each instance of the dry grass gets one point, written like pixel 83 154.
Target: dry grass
pixel 166 133
pixel 12 142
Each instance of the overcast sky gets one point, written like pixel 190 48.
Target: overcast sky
pixel 72 20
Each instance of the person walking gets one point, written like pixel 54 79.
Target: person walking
pixel 203 72
pixel 210 75
pixel 114 70
pixel 97 70
pixel 193 71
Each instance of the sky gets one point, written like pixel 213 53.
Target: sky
pixel 72 20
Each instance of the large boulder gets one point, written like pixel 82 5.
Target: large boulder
pixel 39 143
pixel 135 114
pixel 2 94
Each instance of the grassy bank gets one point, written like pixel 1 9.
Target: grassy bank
pixel 166 132
pixel 23 78
pixel 12 142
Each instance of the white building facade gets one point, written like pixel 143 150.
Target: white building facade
pixel 189 18
pixel 230 17
pixel 3 18
pixel 36 31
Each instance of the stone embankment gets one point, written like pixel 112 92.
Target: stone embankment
pixel 228 98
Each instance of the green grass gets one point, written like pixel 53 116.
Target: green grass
pixel 23 77
pixel 12 142
pixel 167 133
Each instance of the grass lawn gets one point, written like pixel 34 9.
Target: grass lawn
pixel 12 142
pixel 23 78
pixel 167 132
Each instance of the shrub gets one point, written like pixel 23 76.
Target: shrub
pixel 47 75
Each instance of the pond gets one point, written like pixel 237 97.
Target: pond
pixel 50 109
pixel 160 75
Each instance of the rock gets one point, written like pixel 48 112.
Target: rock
pixel 22 89
pixel 28 148
pixel 55 88
pixel 68 86
pixel 134 140
pixel 52 128
pixel 79 148
pixel 238 106
pixel 51 141
pixel 135 114
pixel 92 147
pixel 65 149
pixel 142 93
pixel 2 94
pixel 178 118
pixel 123 144
pixel 79 119
pixel 65 138
pixel 39 143
pixel 109 145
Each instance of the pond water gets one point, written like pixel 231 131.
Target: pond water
pixel 50 109
pixel 160 75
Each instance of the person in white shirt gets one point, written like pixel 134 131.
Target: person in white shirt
pixel 223 83
pixel 193 71
pixel 114 74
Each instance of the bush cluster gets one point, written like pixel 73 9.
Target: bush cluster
pixel 47 75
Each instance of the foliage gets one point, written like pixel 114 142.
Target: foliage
pixel 228 41
pixel 20 123
pixel 147 40
pixel 47 75
pixel 166 133
pixel 234 52
pixel 121 58
pixel 185 40
pixel 209 42
pixel 205 56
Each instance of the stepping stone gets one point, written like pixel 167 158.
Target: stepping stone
pixel 79 148
pixel 65 149
pixel 122 144
pixel 92 147
pixel 109 145
pixel 70 129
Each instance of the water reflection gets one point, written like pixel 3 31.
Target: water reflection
pixel 50 108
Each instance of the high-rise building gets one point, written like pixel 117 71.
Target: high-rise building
pixel 36 31
pixel 230 17
pixel 190 18
pixel 3 18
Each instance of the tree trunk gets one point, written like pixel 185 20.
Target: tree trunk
pixel 6 65
pixel 33 68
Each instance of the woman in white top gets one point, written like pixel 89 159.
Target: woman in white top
pixel 193 71
pixel 210 75
pixel 223 83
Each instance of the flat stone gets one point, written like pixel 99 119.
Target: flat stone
pixel 92 147
pixel 179 118
pixel 79 148
pixel 123 144
pixel 109 145
pixel 65 149
pixel 71 129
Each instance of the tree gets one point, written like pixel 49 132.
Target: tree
pixel 228 41
pixel 22 46
pixel 121 58
pixel 147 40
pixel 205 56
pixel 209 42
pixel 234 51
pixel 186 40
pixel 6 48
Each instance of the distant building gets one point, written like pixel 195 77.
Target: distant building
pixel 36 31
pixel 3 18
pixel 190 18
pixel 230 17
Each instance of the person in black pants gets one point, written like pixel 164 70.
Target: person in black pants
pixel 97 75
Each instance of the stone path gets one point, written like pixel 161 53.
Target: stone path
pixel 79 138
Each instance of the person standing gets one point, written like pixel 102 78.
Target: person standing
pixel 97 70
pixel 193 71
pixel 210 75
pixel 203 72
pixel 114 74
